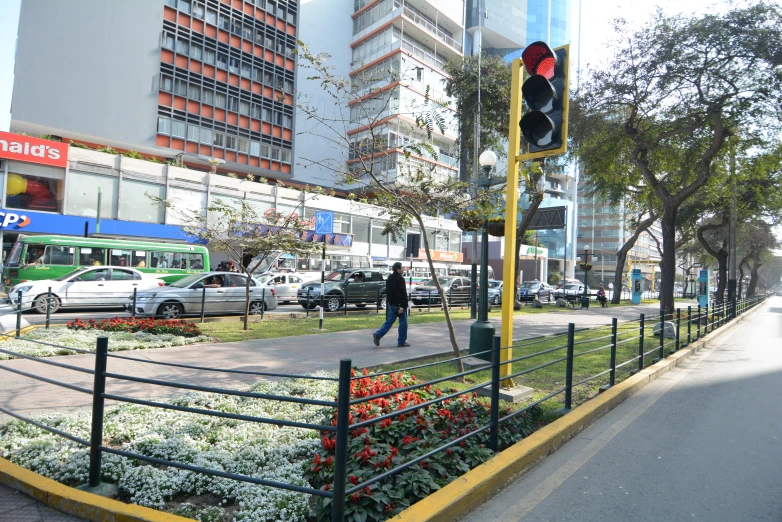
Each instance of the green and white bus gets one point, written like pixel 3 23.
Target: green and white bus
pixel 48 257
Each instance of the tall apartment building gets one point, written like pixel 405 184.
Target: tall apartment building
pixel 605 229
pixel 191 79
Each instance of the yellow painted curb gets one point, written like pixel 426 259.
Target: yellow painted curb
pixel 76 502
pixel 481 483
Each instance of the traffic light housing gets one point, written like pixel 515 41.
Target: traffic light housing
pixel 545 93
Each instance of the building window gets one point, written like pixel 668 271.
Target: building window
pixel 135 205
pixel 286 156
pixel 194 92
pixel 220 100
pixel 196 52
pixel 164 126
pixel 184 6
pixel 233 103
pixel 288 86
pixel 222 61
pixel 257 75
pixel 182 46
pixel 171 3
pixel 211 16
pixel 255 148
pixel 178 129
pixel 168 41
pixel 243 145
pixel 377 235
pixel 209 56
pixel 218 139
pixel 223 22
pixel 166 83
pixel 206 136
pixel 82 194
pixel 360 229
pixel 34 187
pixel 244 108
pixel 265 150
pixel 247 32
pixel 278 118
pixel 287 121
pixel 275 154
pixel 268 78
pixel 180 87
pixel 256 111
pixel 198 10
pixel 247 70
pixel 267 115
pixel 208 97
pixel 193 131
pixel 230 142
pixel 233 65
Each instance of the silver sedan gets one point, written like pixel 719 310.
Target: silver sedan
pixel 221 293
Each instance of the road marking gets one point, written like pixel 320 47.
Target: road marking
pixel 520 509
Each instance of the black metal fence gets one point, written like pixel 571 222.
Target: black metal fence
pixel 630 347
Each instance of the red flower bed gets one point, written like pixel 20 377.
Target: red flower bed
pixel 152 326
pixel 388 443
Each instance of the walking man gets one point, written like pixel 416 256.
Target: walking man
pixel 396 304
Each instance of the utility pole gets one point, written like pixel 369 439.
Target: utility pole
pixel 476 50
pixel 733 224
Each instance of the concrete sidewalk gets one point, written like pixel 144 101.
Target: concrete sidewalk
pixel 302 355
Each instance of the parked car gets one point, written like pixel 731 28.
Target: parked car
pixel 495 292
pixel 358 286
pixel 573 291
pixel 221 293
pixel 531 290
pixel 457 291
pixel 96 286
pixel 560 290
pixel 286 285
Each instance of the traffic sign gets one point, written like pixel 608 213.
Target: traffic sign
pixel 324 222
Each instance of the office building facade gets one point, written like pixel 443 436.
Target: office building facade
pixel 185 79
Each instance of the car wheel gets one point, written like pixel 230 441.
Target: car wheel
pixel 257 307
pixel 495 300
pixel 307 306
pixel 361 305
pixel 333 303
pixel 170 310
pixel 382 302
pixel 549 297
pixel 418 302
pixel 39 304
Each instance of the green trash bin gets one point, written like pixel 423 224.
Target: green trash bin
pixel 584 301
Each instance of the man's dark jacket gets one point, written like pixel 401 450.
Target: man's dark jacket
pixel 396 293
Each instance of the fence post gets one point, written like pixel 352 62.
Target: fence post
pixel 689 325
pixel 49 306
pixel 494 433
pixel 571 344
pixel 662 335
pixel 641 344
pixel 19 314
pixel 448 299
pixel 347 300
pixel 341 449
pixel 203 302
pixel 678 328
pixel 699 321
pixel 133 304
pixel 706 327
pixel 308 302
pixel 98 389
pixel 263 301
pixel 377 302
pixel 612 375
pixel 429 301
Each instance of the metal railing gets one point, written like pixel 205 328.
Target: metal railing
pixel 625 344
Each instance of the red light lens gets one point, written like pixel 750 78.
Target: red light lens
pixel 539 59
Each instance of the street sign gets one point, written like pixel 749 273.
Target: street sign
pixel 324 222
pixel 551 218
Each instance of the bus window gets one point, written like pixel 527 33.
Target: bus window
pixel 196 261
pixel 92 256
pixel 166 260
pixel 59 255
pixel 139 259
pixel 120 258
pixel 15 255
pixel 35 255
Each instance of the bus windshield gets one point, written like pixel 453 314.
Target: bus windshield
pixel 15 255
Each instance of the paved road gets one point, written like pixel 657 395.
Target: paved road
pixel 17 507
pixel 302 354
pixel 703 442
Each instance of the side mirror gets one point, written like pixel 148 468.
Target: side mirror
pixel 76 279
pixel 351 280
pixel 197 286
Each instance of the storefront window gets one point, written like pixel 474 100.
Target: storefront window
pixel 361 229
pixel 34 187
pixel 136 205
pixel 377 235
pixel 455 243
pixel 82 192
pixel 92 256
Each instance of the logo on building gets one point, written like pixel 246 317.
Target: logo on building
pixel 10 218
pixel 33 150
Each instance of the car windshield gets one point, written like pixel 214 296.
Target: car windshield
pixel 571 287
pixel 71 274
pixel 443 281
pixel 530 285
pixel 185 281
pixel 337 276
pixel 494 284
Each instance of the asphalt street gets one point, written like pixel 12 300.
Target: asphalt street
pixel 702 442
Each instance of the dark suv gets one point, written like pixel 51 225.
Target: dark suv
pixel 356 286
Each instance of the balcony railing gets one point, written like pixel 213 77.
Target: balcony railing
pixel 427 25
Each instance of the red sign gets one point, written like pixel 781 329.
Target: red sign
pixel 33 150
pixel 441 255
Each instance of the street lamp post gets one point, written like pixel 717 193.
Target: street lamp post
pixel 482 331
pixel 585 255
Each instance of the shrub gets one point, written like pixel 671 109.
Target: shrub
pixel 127 324
pixel 391 442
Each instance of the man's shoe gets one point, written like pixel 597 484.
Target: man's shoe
pixel 403 345
pixel 376 339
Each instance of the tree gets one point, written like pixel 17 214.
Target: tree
pixel 389 170
pixel 757 240
pixel 673 90
pixel 247 237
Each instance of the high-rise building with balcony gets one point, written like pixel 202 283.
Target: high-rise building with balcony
pixel 171 78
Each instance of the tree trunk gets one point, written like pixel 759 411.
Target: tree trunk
pixel 720 255
pixel 753 276
pixel 668 264
pixel 443 301
pixel 247 300
pixel 537 199
pixel 741 276
pixel 621 256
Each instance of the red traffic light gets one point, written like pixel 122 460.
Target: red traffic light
pixel 539 59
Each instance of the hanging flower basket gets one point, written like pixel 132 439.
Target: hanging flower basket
pixel 468 224
pixel 586 267
pixel 497 228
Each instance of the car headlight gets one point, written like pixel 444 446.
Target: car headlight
pixel 144 297
pixel 23 289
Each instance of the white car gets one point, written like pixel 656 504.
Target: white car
pixel 96 286
pixel 285 285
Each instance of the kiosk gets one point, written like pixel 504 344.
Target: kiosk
pixel 703 289
pixel 637 285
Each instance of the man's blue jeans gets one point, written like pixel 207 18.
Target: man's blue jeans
pixel 391 316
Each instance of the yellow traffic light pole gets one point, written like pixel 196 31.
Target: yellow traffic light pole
pixel 512 203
